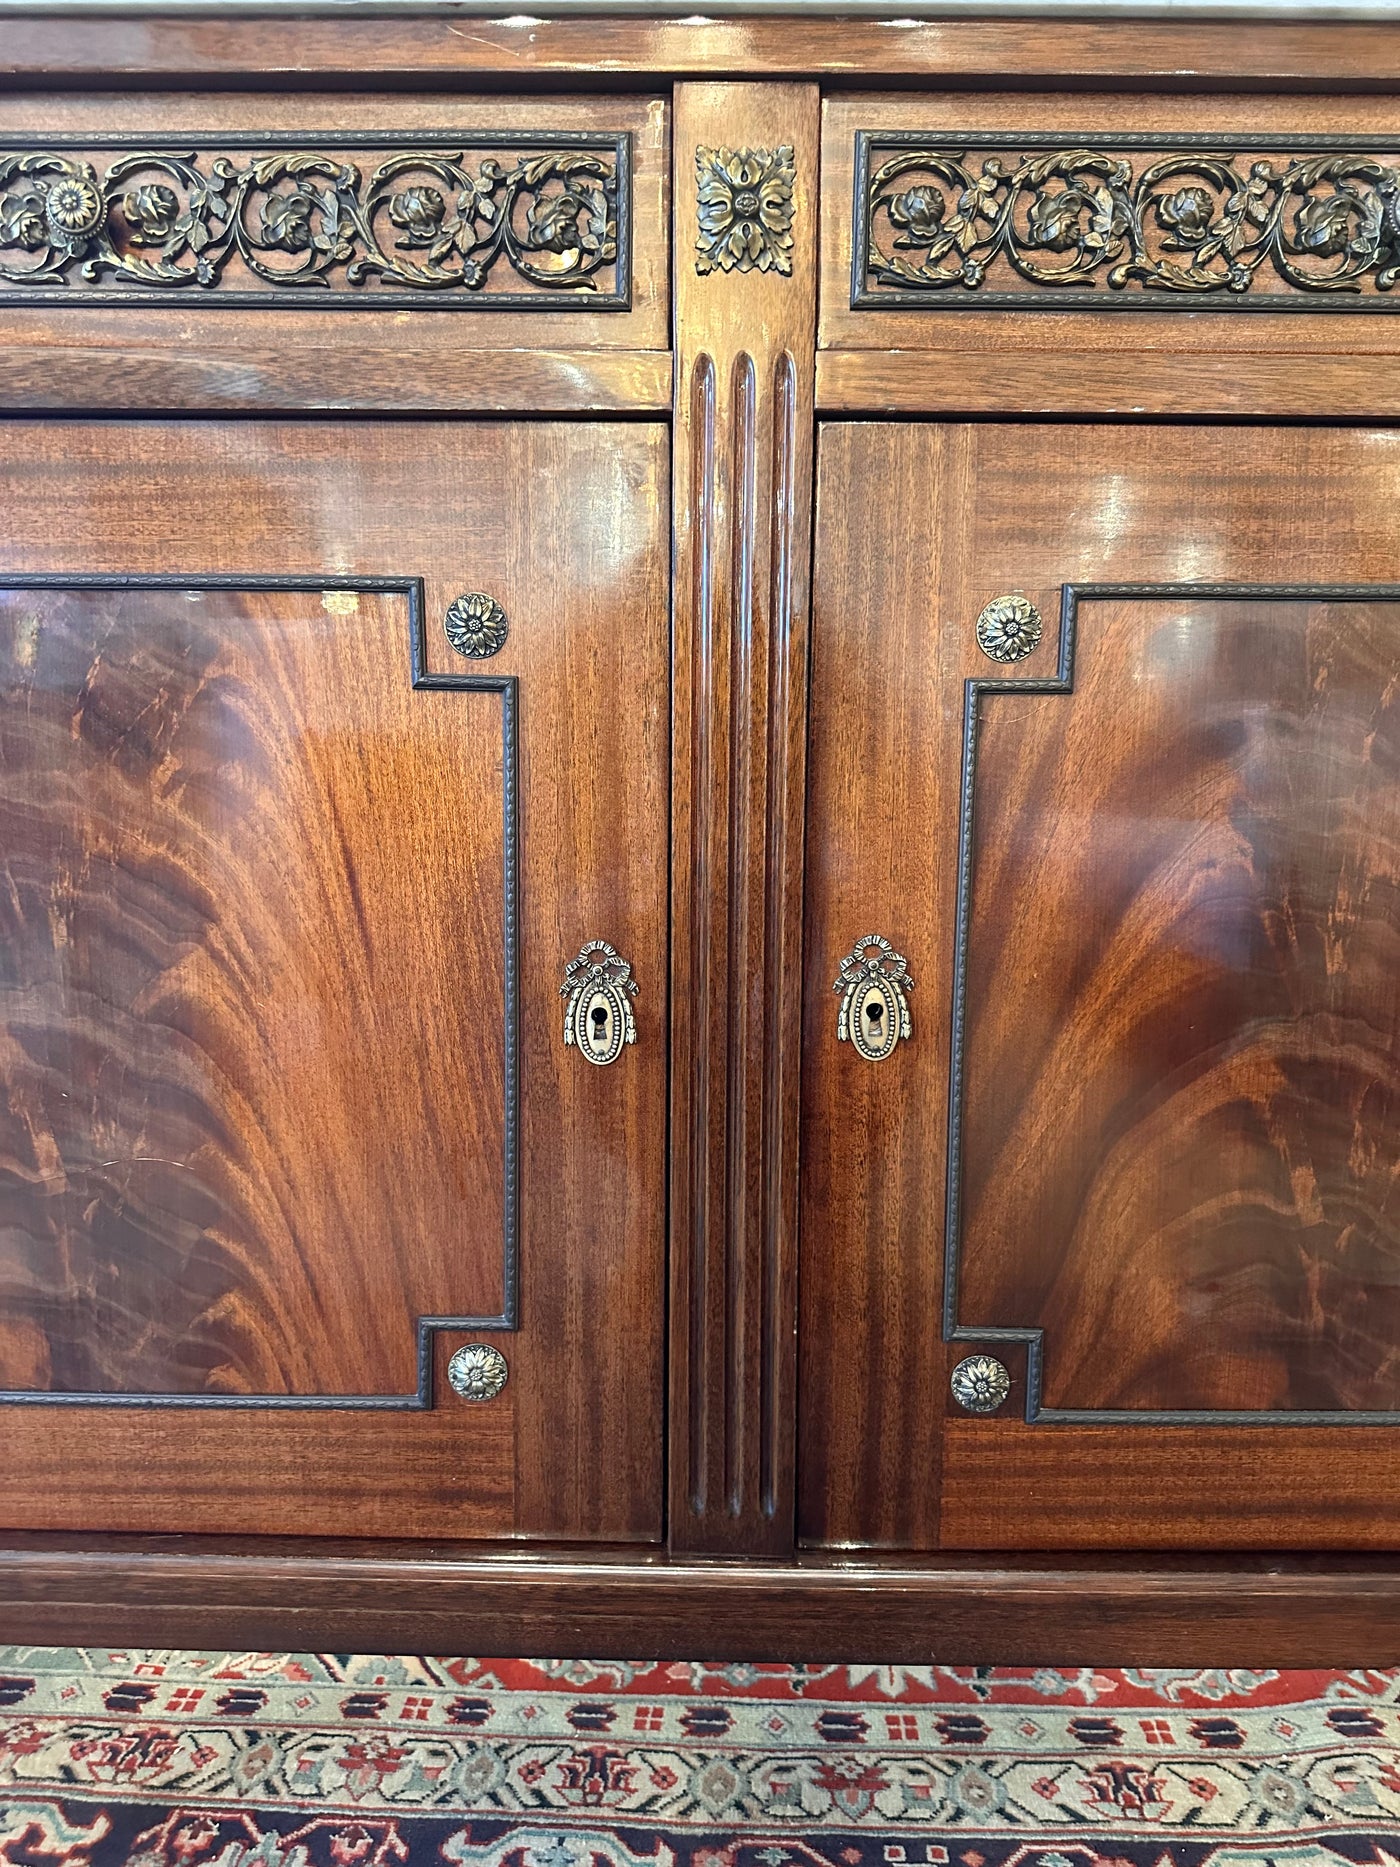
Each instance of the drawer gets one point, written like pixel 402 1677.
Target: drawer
pixel 245 250
pixel 1013 225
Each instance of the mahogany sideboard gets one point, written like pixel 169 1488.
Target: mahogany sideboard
pixel 700 833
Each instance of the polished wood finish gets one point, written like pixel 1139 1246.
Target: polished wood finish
pixel 272 1594
pixel 231 362
pixel 1128 383
pixel 207 1190
pixel 1182 56
pixel 743 542
pixel 582 576
pixel 1029 508
pixel 919 522
pixel 1180 1125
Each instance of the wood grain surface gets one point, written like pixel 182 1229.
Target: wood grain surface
pixel 919 526
pixel 253 974
pixel 361 1596
pixel 564 525
pixel 144 362
pixel 1180 1134
pixel 1016 383
pixel 518 52
pixel 1168 947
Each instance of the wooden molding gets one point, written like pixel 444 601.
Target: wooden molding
pixel 746 298
pixel 1286 53
pixel 1024 384
pixel 1248 10
pixel 956 1610
pixel 142 364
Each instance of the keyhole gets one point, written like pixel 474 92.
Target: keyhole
pixel 598 1017
pixel 875 1011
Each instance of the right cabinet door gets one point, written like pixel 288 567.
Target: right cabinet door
pixel 1101 1154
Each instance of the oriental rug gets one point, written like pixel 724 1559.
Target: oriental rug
pixel 153 1759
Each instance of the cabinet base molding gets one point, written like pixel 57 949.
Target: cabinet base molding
pixel 963 1609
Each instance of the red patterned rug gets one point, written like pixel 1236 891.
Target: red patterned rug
pixel 140 1759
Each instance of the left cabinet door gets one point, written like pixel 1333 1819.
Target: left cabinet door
pixel 324 749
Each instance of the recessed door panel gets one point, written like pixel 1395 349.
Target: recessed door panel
pixel 229 904
pixel 323 752
pixel 1104 743
pixel 1180 1089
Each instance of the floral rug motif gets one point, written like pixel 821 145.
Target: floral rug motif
pixel 152 1759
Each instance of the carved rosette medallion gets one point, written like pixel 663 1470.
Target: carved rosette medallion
pixel 438 219
pixel 746 209
pixel 1043 221
pixel 1009 628
pixel 476 626
pixel 980 1384
pixel 477 1371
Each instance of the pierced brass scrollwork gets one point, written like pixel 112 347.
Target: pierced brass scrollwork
pixel 335 217
pixel 1042 220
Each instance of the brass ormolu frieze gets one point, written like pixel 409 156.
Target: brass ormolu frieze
pixel 1051 221
pixel 746 209
pixel 501 220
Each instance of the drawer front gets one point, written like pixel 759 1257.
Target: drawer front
pixel 1102 224
pixel 327 750
pixel 1099 1229
pixel 523 222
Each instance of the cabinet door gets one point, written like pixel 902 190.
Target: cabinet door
pixel 324 750
pixel 1138 850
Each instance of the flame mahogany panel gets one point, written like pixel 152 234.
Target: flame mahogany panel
pixel 251 978
pixel 1182 1090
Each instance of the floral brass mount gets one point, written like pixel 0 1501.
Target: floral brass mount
pixel 1009 628
pixel 1043 221
pixel 874 981
pixel 476 625
pixel 598 1018
pixel 980 1383
pixel 428 219
pixel 745 208
pixel 478 1371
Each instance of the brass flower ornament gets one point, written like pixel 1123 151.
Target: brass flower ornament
pixel 476 626
pixel 980 1384
pixel 1008 628
pixel 745 209
pixel 74 209
pixel 150 212
pixel 477 1371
